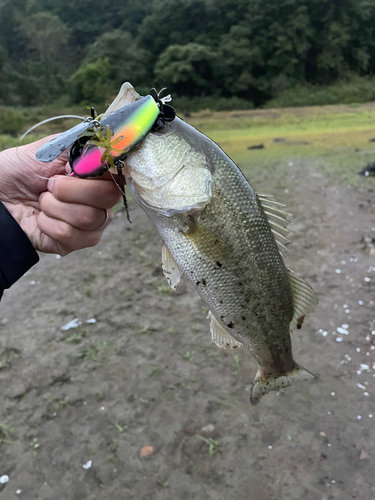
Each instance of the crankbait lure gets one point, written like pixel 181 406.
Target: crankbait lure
pixel 97 144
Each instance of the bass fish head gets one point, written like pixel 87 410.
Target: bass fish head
pixel 166 174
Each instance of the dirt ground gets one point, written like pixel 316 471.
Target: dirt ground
pixel 78 407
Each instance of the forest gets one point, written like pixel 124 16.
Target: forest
pixel 247 53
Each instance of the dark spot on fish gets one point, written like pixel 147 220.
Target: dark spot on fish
pixel 198 283
pixel 243 317
pixel 230 325
pixel 222 317
pixel 219 263
pixel 300 321
pixel 204 282
pixel 240 283
pixel 221 302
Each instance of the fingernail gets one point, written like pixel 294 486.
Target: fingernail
pixel 50 184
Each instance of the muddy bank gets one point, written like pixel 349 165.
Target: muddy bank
pixel 146 373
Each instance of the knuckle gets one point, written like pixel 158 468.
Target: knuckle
pixel 64 232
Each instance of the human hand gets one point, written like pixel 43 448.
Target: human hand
pixel 59 214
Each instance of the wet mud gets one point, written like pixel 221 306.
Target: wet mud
pixel 140 404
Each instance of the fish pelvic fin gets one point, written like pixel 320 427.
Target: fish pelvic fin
pixel 263 385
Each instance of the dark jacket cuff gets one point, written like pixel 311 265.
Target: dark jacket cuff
pixel 17 255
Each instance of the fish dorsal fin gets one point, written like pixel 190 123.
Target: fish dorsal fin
pixel 305 300
pixel 170 268
pixel 220 337
pixel 278 219
pixel 126 95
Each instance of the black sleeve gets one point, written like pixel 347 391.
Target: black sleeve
pixel 17 254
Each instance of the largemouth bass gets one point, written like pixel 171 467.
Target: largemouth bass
pixel 227 240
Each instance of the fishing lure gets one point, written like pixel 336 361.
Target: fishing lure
pixel 97 144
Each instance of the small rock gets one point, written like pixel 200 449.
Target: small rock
pixel 16 390
pixel 4 479
pixel 208 429
pixel 364 455
pixel 146 451
pixel 4 321
pixel 322 434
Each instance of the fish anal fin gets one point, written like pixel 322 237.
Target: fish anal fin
pixel 305 300
pixel 170 269
pixel 220 337
pixel 277 218
pixel 263 385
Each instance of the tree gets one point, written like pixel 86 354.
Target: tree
pixel 91 82
pixel 187 69
pixel 46 66
pixel 126 59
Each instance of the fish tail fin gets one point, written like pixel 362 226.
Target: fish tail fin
pixel 263 385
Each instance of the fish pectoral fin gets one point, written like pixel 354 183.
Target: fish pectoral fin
pixel 170 268
pixel 263 385
pixel 305 300
pixel 220 337
pixel 278 220
pixel 207 244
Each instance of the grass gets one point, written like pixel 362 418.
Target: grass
pixel 332 132
pixel 339 134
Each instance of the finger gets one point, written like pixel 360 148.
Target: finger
pixel 98 193
pixel 83 217
pixel 67 238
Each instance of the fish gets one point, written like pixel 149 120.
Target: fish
pixel 228 241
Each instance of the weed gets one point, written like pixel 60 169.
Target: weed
pixel 213 446
pixel 164 289
pixel 62 403
pixel 144 401
pixel 102 346
pixel 205 309
pixel 236 364
pixel 119 427
pixel 154 370
pixel 88 354
pixel 75 338
pixel 89 293
pixel 5 433
pixel 188 355
pixel 144 329
pixel 1 366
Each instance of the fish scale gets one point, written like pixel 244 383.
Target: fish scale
pixel 217 234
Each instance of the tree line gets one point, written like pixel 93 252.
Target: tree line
pixel 253 50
